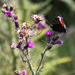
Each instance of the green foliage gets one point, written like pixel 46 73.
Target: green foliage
pixel 61 59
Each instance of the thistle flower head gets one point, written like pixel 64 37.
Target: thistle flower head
pixel 25 25
pixel 37 18
pixel 49 33
pixel 30 44
pixel 40 26
pixel 28 32
pixel 24 72
pixel 13 46
pixel 8 13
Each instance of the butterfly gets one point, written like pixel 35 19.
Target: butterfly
pixel 58 25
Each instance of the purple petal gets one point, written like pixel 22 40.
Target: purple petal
pixel 49 33
pixel 30 44
pixel 40 26
pixel 24 72
pixel 8 13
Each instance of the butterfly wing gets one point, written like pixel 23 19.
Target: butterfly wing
pixel 58 25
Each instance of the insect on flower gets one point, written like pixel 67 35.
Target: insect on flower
pixel 58 25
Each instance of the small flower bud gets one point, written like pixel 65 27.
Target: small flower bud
pixel 16 24
pixel 21 36
pixel 24 72
pixel 11 7
pixel 48 39
pixel 42 54
pixel 25 47
pixel 49 47
pixel 53 42
pixel 6 7
pixel 60 42
pixel 56 37
pixel 19 45
pixel 15 17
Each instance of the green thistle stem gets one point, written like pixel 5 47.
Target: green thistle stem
pixel 11 40
pixel 29 64
pixel 42 56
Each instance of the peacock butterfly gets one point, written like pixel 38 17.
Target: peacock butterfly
pixel 58 25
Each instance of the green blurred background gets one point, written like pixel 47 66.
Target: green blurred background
pixel 60 60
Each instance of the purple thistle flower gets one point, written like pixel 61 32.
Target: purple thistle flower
pixel 49 33
pixel 36 19
pixel 13 46
pixel 40 26
pixel 60 42
pixel 24 72
pixel 8 13
pixel 16 23
pixel 30 44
